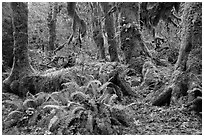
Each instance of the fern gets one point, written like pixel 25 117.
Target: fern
pixel 105 98
pixel 16 115
pixel 66 93
pixel 59 97
pixel 40 98
pixel 77 110
pixel 94 84
pixel 29 103
pixel 83 89
pixel 90 122
pixel 53 106
pixel 102 87
pixel 104 95
pixel 72 121
pixel 119 107
pixel 30 111
pixel 48 103
pixel 17 103
pixel 112 99
pixel 53 123
pixel 79 96
pixel 30 96
pixel 73 85
pixel 34 119
pixel 12 119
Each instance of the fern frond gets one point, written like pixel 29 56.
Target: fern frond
pixel 120 107
pixel 106 98
pixel 53 106
pixel 93 103
pixel 17 103
pixel 60 97
pixel 30 96
pixel 66 93
pixel 112 99
pixel 72 85
pixel 72 121
pixel 77 109
pixel 14 115
pixel 40 98
pixel 52 99
pixel 47 104
pixel 94 84
pixel 12 119
pixel 29 103
pixel 90 122
pixel 103 96
pixel 104 86
pixel 79 114
pixel 63 108
pixel 90 77
pixel 114 121
pixel 34 119
pixel 70 103
pixel 79 96
pixel 53 123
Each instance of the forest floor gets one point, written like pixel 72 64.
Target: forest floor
pixel 145 119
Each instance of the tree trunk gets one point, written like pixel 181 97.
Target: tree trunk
pixel 97 31
pixel 76 20
pixel 110 29
pixel 7 37
pixel 188 68
pixel 23 78
pixel 52 18
pixel 21 66
pixel 132 44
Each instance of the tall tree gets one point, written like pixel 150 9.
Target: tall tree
pixel 188 68
pixel 52 18
pixel 21 66
pixel 110 29
pixel 76 21
pixel 189 63
pixel 97 30
pixel 7 36
pixel 132 43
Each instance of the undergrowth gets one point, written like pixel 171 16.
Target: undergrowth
pixel 87 104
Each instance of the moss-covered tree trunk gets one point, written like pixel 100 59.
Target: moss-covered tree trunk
pixel 21 66
pixel 110 29
pixel 23 78
pixel 52 18
pixel 97 31
pixel 76 22
pixel 189 63
pixel 132 43
pixel 188 68
pixel 7 37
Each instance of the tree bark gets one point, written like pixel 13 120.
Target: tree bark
pixel 188 68
pixel 7 37
pixel 190 55
pixel 21 66
pixel 110 29
pixel 76 20
pixel 23 78
pixel 132 44
pixel 52 18
pixel 97 31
